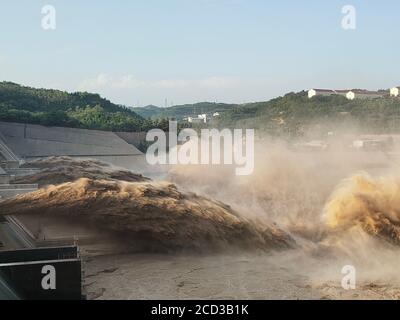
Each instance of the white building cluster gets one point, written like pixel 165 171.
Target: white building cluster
pixel 355 93
pixel 201 118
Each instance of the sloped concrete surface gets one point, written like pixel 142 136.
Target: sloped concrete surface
pixel 30 141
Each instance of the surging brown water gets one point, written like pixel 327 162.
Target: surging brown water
pixel 370 203
pixel 300 192
pixel 153 216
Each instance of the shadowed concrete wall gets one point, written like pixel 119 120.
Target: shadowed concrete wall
pixel 39 141
pixel 35 141
pixel 134 138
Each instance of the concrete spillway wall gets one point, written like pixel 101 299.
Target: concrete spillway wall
pixel 38 141
pixel 133 138
pixel 34 141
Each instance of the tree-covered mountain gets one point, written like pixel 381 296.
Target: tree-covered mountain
pixel 290 115
pixel 180 111
pixel 148 112
pixel 294 114
pixel 59 108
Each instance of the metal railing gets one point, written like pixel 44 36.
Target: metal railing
pixel 7 153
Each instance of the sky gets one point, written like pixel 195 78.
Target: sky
pixel 168 52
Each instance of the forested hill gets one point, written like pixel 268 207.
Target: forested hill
pixel 292 114
pixel 149 112
pixel 295 113
pixel 35 100
pixel 180 111
pixel 59 108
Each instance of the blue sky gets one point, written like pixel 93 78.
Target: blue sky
pixel 143 52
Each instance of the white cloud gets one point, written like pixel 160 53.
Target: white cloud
pixel 130 90
pixel 103 80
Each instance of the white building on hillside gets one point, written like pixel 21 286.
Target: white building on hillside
pixel 203 117
pixel 394 92
pixel 326 92
pixel 349 94
pixel 320 92
pixel 195 120
pixel 367 94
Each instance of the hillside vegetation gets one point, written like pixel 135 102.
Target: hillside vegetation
pixel 294 114
pixel 180 111
pixel 290 115
pixel 59 108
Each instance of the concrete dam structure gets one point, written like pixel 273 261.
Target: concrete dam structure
pixel 29 142
pixel 23 257
pixel 9 168
pixel 21 142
